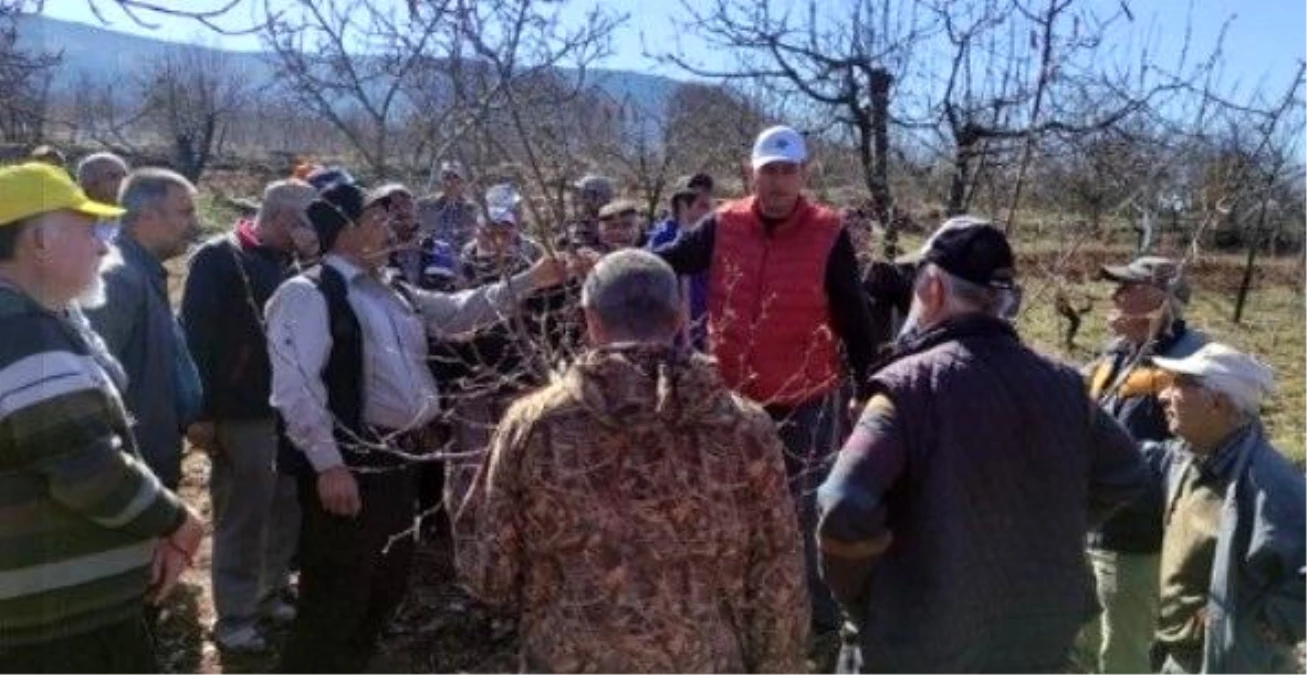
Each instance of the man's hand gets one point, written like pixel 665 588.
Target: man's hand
pixel 172 555
pixel 203 435
pixel 549 271
pixel 584 260
pixel 339 492
pixel 856 406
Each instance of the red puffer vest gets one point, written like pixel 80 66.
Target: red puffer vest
pixel 768 313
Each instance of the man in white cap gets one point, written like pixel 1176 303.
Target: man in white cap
pixel 1147 320
pixel 619 226
pixel 449 216
pixel 1232 593
pixel 783 294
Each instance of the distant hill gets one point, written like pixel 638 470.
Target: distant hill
pixel 109 55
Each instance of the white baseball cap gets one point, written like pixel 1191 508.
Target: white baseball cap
pixel 501 203
pixel 1222 368
pixel 779 144
pixel 453 167
pixel 501 214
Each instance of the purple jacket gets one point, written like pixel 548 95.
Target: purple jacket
pixel 987 472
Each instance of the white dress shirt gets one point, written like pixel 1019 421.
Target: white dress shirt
pixel 399 392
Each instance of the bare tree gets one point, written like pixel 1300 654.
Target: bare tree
pixel 24 81
pixel 191 97
pixel 347 61
pixel 1251 173
pixel 1020 74
pixel 714 127
pixel 549 122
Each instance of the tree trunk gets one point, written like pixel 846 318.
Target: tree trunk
pixel 1245 284
pixel 882 202
pixel 957 193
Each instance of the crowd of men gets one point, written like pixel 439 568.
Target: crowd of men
pixel 722 442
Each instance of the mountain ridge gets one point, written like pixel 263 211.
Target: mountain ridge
pixel 103 53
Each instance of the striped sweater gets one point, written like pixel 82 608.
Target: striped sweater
pixel 79 511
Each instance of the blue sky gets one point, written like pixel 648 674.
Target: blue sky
pixel 1265 40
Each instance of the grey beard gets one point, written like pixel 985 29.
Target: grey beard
pixel 93 297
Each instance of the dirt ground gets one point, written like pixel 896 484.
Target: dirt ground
pixel 438 629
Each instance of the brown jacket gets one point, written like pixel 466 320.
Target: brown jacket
pixel 635 516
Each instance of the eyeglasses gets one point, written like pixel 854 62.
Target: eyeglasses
pixel 106 231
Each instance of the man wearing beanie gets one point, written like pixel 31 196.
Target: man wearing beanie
pixel 352 388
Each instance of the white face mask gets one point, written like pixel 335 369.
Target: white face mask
pixel 1011 305
pixel 911 325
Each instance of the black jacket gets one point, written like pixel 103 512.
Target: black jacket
pixel 1138 527
pixel 228 284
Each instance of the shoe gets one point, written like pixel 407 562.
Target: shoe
pixel 280 612
pixel 824 651
pixel 242 640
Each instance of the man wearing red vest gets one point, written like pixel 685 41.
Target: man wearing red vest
pixel 782 295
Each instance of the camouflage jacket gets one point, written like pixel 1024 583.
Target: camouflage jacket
pixel 634 516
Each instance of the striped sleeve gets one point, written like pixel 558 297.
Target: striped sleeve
pixel 58 419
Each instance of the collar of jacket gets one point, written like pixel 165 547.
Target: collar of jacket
pixel 247 239
pixel 1162 344
pixel 636 384
pixel 136 256
pixel 801 209
pixel 1229 454
pixel 952 329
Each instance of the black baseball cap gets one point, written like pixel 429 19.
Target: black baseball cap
pixel 972 249
pixel 699 181
pixel 1164 273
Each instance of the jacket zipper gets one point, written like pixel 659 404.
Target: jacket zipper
pixel 758 299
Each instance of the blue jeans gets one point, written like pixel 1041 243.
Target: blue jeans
pixel 812 433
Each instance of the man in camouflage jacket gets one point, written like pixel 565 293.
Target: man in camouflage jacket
pixel 634 514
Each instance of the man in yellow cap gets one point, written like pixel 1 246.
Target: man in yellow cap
pixel 88 535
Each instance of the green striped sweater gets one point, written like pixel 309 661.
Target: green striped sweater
pixel 79 510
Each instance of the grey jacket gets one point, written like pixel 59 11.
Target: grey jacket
pixel 1256 603
pixel 138 326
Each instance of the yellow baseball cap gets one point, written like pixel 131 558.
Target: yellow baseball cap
pixel 34 188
